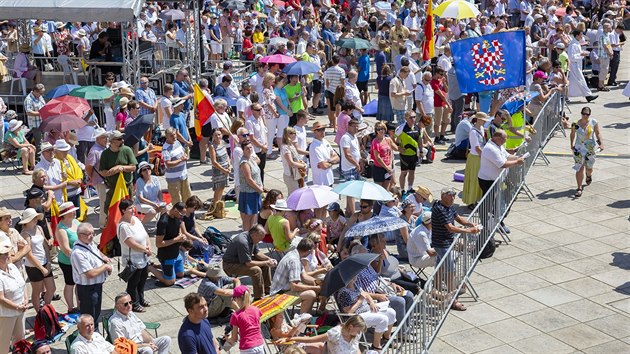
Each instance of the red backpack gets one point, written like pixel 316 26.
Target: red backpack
pixel 47 323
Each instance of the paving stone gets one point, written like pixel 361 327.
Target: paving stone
pixel 585 310
pixel 454 325
pixel 510 330
pixel 586 287
pixel 439 346
pixel 535 345
pixel 516 305
pixel 581 336
pixel 471 340
pixel 614 278
pixel 497 269
pixel 503 349
pixel 610 347
pixel 623 305
pixel 481 314
pixel 492 290
pixel 523 282
pixel 547 320
pixel 588 266
pixel 616 325
pixel 528 262
pixel 552 295
pixel 556 274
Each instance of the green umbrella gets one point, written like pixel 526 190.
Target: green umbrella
pixel 354 43
pixel 92 92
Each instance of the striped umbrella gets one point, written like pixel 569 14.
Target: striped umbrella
pixel 457 9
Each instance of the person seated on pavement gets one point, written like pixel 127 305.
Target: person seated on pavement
pixel 217 288
pixel 290 276
pixel 388 266
pixel 421 255
pixel 125 323
pixel 168 238
pixel 242 257
pixel 90 341
pixel 380 289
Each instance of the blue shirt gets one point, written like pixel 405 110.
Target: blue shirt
pixel 178 121
pixel 364 68
pixel 283 97
pixel 147 96
pixel 328 35
pixel 181 89
pixel 216 30
pixel 380 59
pixel 196 338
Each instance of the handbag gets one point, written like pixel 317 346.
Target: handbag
pixel 126 273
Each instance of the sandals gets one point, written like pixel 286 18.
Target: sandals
pixel 145 303
pixel 458 306
pixel 589 179
pixel 138 308
pixel 578 193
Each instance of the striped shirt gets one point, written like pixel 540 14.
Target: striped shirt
pixel 440 216
pixel 334 76
pixel 172 152
pixel 33 104
pixel 82 261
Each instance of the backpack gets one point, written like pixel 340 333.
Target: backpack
pixel 488 251
pixel 47 323
pixel 217 239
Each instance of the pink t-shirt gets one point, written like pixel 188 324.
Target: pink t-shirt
pixel 122 118
pixel 248 323
pixel 384 151
pixel 342 126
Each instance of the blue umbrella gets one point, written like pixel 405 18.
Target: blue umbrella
pixel 515 103
pixel 60 91
pixel 363 190
pixel 376 225
pixel 301 68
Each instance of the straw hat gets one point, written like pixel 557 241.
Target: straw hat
pixel 59 25
pixel 5 246
pixel 123 102
pixel 4 212
pixel 425 193
pixel 126 91
pixel 25 48
pixel 317 125
pixel 29 214
pixel 72 138
pixel 67 208
pixel 46 146
pixel 98 132
pixel 81 32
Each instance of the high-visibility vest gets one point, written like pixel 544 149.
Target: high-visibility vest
pixel 518 123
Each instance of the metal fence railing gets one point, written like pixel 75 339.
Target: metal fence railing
pixel 430 308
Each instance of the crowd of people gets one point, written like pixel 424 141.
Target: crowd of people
pixel 270 116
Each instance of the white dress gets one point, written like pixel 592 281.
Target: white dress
pixel 577 83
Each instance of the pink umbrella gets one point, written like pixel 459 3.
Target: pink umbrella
pixel 277 59
pixel 71 106
pixel 311 197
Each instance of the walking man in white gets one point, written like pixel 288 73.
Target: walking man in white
pixel 577 83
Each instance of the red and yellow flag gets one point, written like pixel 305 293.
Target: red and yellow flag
pixel 203 109
pixel 428 47
pixel 54 219
pixel 113 215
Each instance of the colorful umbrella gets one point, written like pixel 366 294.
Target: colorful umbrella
pixel 376 226
pixel 60 91
pixel 383 5
pixel 274 304
pixel 311 197
pixel 354 43
pixel 172 15
pixel 65 106
pixel 92 92
pixel 301 68
pixel 233 5
pixel 62 123
pixel 277 59
pixel 277 41
pixel 342 273
pixel 457 9
pixel 363 190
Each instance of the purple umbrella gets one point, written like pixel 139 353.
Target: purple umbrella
pixel 311 197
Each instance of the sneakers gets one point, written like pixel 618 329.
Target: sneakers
pixel 591 98
pixel 441 140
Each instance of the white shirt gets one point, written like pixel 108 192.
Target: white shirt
pixel 137 233
pixel 165 103
pixel 242 103
pixel 82 261
pixel 475 138
pixel 319 151
pixel 237 154
pixel 352 94
pixel 53 172
pixel 301 137
pixel 12 285
pixel 129 326
pixel 424 93
pixel 493 157
pixel 419 243
pixel 349 141
pixel 444 62
pixel 257 128
pixel 97 345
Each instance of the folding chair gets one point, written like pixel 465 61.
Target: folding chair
pixel 70 338
pixel 149 326
pixel 8 157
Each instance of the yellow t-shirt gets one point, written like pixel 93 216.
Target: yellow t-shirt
pixel 258 37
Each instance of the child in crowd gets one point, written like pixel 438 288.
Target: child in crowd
pixel 246 322
pixel 192 266
pixel 281 329
pixel 335 223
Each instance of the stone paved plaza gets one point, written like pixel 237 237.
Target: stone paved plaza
pixel 561 286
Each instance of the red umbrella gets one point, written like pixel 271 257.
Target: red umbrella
pixel 62 123
pixel 65 106
pixel 277 59
pixel 279 3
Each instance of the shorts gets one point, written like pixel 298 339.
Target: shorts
pixel 145 208
pixel 170 267
pixel 362 86
pixel 206 130
pixel 317 86
pixel 449 263
pixel 216 47
pixel 351 175
pixel 35 275
pixel 330 96
pixel 378 174
pixel 66 269
pixel 408 162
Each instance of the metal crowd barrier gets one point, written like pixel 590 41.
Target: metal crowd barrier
pixel 428 313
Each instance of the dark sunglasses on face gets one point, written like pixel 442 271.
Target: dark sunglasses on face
pixel 380 130
pixel 244 135
pixel 320 129
pixel 257 110
pixel 364 206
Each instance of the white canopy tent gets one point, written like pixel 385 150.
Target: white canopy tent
pixel 72 10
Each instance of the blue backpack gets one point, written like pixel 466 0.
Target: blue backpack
pixel 217 239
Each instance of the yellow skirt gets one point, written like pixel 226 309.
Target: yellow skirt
pixel 472 191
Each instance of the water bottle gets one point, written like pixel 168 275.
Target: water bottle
pixel 206 254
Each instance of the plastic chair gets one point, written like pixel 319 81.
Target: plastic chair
pixel 70 338
pixel 21 80
pixel 63 61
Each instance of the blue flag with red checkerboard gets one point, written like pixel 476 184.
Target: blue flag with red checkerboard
pixel 491 62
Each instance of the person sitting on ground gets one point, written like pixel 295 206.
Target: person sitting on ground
pixel 217 288
pixel 242 257
pixel 421 198
pixel 290 277
pixel 90 341
pixel 278 226
pixel 192 266
pixel 421 254
pixel 191 229
pixel 126 324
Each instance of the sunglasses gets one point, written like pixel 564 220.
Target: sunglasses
pixel 257 110
pixel 244 135
pixel 127 303
pixel 117 138
pixel 364 206
pixel 586 114
pixel 380 130
pixel 320 129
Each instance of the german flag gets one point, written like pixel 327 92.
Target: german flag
pixel 428 46
pixel 113 215
pixel 54 219
pixel 203 109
